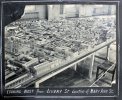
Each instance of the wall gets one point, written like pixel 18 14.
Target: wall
pixel 89 10
pixel 41 9
pixel 53 11
pixel 69 10
pixel 34 11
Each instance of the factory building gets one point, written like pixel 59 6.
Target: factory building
pixel 71 45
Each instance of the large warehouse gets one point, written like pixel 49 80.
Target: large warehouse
pixel 71 45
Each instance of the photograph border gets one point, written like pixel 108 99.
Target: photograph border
pixel 63 2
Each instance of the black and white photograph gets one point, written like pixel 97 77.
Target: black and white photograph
pixel 61 45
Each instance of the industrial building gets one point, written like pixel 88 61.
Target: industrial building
pixel 71 45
